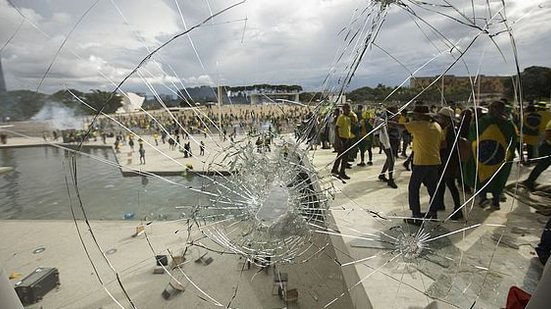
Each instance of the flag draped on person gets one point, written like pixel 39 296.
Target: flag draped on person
pixel 493 149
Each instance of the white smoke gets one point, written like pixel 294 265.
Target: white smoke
pixel 59 117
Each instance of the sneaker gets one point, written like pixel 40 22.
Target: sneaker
pixel 495 206
pixel 334 172
pixel 392 184
pixel 406 166
pixel 343 176
pixel 348 165
pixel 361 164
pixel 457 216
pixel 502 197
pixel 369 163
pixel 383 178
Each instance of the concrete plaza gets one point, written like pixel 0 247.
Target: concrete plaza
pixel 459 270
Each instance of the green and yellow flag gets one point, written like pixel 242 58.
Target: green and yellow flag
pixel 494 147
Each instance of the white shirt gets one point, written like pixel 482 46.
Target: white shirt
pixel 383 133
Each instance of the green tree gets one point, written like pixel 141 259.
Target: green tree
pixel 536 82
pixel 64 96
pixel 102 99
pixel 21 104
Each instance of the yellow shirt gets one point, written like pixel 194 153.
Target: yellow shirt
pixel 427 137
pixel 402 119
pixel 344 125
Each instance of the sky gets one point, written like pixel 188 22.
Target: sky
pixel 95 44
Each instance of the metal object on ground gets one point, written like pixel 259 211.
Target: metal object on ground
pixel 39 250
pixel 162 260
pixel 33 287
pixel 172 289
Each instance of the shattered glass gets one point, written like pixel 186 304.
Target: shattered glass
pixel 269 199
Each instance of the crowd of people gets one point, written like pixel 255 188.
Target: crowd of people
pixel 177 127
pixel 229 121
pixel 450 148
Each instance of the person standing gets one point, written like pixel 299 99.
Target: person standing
pixel 343 138
pixel 535 120
pixel 406 138
pixel 385 144
pixel 493 147
pixel 427 139
pixel 141 151
pixel 202 149
pixel 544 160
pixel 131 143
pixel 366 142
pixel 449 155
pixel 332 128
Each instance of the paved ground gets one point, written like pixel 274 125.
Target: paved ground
pixel 318 281
pixel 466 268
pixel 462 269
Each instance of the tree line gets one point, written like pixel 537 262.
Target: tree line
pixel 24 104
pixel 535 81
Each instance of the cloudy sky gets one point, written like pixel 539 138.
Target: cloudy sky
pixel 93 44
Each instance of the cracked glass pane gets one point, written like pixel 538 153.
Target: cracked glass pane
pixel 239 155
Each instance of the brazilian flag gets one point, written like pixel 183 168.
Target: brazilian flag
pixel 495 146
pixel 532 123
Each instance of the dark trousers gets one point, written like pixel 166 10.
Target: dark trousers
pixel 542 164
pixel 532 151
pixel 394 146
pixel 450 183
pixel 544 247
pixel 369 152
pixel 428 176
pixel 406 139
pixel 389 163
pixel 342 156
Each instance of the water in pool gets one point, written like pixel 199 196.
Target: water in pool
pixel 36 189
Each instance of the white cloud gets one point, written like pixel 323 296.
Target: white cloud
pixel 285 41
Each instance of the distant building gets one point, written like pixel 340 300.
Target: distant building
pixel 485 86
pixel 2 80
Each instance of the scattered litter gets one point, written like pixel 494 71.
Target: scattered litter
pixel 39 250
pixel 204 260
pixel 162 260
pixel 129 215
pixel 172 289
pixel 140 229
pixel 15 275
pixel 177 260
